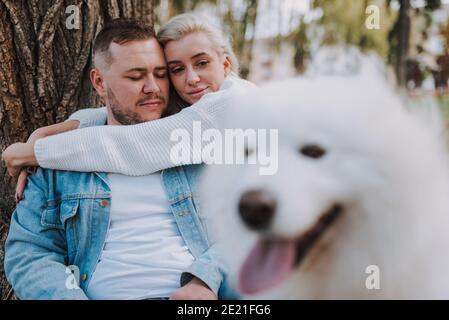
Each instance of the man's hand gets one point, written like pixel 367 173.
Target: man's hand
pixel 194 290
pixel 17 156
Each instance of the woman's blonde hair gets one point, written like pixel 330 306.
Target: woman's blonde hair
pixel 186 23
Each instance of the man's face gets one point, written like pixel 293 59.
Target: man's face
pixel 135 85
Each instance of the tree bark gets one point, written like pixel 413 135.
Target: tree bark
pixel 44 73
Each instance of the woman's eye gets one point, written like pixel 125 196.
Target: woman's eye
pixel 202 63
pixel 134 78
pixel 176 70
pixel 312 151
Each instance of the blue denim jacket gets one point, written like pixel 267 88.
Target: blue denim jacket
pixel 63 219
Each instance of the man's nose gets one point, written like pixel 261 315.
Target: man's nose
pixel 192 77
pixel 257 209
pixel 151 85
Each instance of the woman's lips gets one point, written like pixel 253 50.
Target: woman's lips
pixel 197 93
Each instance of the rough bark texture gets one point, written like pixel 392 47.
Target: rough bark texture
pixel 44 73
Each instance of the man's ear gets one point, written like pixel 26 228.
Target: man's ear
pixel 227 65
pixel 98 82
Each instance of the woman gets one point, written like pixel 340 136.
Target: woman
pixel 203 71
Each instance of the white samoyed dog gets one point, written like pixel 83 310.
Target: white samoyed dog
pixel 359 205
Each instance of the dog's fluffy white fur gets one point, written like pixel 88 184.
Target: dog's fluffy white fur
pixel 386 166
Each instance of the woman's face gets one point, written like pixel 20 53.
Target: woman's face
pixel 195 67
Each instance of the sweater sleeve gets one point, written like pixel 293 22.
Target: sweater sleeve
pixel 139 149
pixel 131 150
pixel 90 117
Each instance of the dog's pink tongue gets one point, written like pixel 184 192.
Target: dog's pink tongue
pixel 268 263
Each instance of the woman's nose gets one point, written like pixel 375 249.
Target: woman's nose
pixel 192 78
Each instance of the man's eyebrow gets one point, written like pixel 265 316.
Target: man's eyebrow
pixel 192 57
pixel 141 69
pixel 137 69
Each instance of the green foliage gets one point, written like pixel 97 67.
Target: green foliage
pixel 343 22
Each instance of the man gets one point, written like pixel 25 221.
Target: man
pixel 127 237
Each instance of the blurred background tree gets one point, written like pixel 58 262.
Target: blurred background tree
pixel 404 26
pixel 441 73
pixel 406 39
pixel 262 42
pixel 301 43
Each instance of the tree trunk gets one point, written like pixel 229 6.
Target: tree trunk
pixel 246 53
pixel 44 72
pixel 403 42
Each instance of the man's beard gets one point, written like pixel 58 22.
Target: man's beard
pixel 123 117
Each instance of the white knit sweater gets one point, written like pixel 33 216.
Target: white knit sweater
pixel 136 149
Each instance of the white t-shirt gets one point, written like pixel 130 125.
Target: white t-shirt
pixel 144 253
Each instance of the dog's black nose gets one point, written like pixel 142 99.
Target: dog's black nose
pixel 257 209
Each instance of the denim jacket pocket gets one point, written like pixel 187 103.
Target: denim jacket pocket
pixel 55 215
pixel 69 208
pixel 50 218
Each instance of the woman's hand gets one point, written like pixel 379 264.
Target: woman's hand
pixel 20 155
pixel 21 184
pixel 17 156
pixel 23 175
pixel 39 133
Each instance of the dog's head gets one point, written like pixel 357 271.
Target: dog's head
pixel 346 150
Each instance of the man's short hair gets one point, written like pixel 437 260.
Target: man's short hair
pixel 120 31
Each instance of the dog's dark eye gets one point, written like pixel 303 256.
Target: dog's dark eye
pixel 312 151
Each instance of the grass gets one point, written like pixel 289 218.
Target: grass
pixel 442 102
